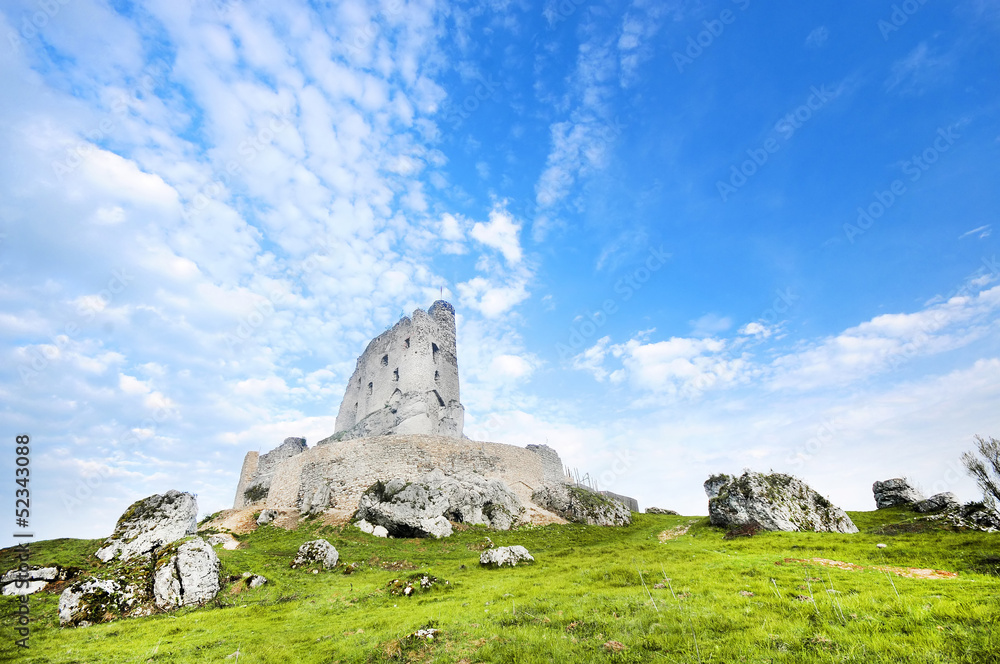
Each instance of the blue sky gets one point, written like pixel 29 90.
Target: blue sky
pixel 681 237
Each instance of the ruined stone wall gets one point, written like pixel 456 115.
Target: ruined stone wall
pixel 406 381
pixel 335 475
pixel 258 470
pixel 247 474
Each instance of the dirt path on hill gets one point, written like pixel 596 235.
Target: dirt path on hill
pixel 907 572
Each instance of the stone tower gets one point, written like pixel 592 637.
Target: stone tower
pixel 406 381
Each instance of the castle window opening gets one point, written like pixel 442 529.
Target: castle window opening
pixel 395 374
pixel 385 360
pixel 434 352
pixel 406 342
pixel 437 375
pixel 369 389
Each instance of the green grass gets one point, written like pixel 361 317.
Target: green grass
pixel 584 590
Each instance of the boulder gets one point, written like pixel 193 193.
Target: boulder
pixel 379 531
pixel 897 491
pixel 256 581
pixel 187 575
pixel 317 552
pixel 30 580
pixel 938 501
pixel 94 600
pixel 774 502
pixel 266 516
pixel 658 510
pixel 424 508
pixel 364 526
pixel 151 523
pixel 505 556
pixel 580 505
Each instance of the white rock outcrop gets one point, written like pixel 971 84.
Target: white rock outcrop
pixel 188 576
pixel 92 601
pixel 774 502
pixel 580 505
pixel 317 552
pixel 151 523
pixel 505 556
pixel 424 508
pixel 30 580
pixel 894 492
pixel 938 501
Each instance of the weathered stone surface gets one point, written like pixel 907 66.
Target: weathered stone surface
pixel 658 510
pixel 151 523
pixel 897 491
pixel 580 505
pixel 938 501
pixel 377 531
pixel 189 575
pixel 317 552
pixel 266 516
pixel 257 472
pixel 92 601
pixel 406 381
pixel 423 508
pixel 256 581
pixel 30 580
pixel 344 471
pixel 24 587
pixel 972 516
pixel 505 556
pixel 775 502
pixel 714 484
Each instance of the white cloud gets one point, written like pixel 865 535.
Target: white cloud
pixel 500 233
pixel 710 325
pixel 490 298
pixel 981 233
pixel 818 37
pixel 919 70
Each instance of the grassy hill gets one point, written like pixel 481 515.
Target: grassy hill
pixel 665 589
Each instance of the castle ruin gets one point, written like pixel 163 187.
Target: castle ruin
pixel 401 417
pixel 406 381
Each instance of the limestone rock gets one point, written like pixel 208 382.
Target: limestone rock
pixel 266 516
pixel 256 581
pixel 938 501
pixel 23 587
pixel 658 510
pixel 94 600
pixel 423 508
pixel 774 502
pixel 318 552
pixel 189 575
pixel 505 556
pixel 580 505
pixel 897 491
pixel 151 523
pixel 30 580
pixel 714 484
pixel 377 531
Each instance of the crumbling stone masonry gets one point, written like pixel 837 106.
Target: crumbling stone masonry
pixel 406 381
